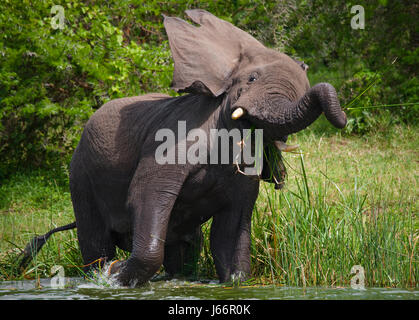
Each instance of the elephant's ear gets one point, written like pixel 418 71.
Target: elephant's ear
pixel 205 56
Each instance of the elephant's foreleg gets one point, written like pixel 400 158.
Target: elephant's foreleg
pixel 230 246
pixel 230 239
pixel 150 200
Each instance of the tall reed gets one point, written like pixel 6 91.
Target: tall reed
pixel 306 238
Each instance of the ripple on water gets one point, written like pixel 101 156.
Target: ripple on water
pixel 104 286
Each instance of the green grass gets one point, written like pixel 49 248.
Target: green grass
pixel 348 200
pixel 33 203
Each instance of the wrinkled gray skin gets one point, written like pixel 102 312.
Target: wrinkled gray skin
pixel 123 198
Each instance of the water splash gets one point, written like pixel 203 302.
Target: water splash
pixel 102 278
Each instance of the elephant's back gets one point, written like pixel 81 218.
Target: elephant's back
pixel 111 113
pixel 112 136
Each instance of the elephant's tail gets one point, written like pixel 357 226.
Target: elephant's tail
pixel 33 247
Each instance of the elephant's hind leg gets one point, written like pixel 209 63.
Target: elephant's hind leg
pixel 95 240
pixel 181 256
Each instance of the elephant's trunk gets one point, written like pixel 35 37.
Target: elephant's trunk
pixel 290 117
pixel 320 98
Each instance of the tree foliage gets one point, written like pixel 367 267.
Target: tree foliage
pixel 52 80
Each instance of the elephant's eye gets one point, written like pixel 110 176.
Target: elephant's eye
pixel 253 77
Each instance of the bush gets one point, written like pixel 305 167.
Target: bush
pixel 385 52
pixel 52 80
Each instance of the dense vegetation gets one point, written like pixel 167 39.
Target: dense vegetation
pixel 52 80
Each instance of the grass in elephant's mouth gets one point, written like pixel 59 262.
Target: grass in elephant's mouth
pixel 347 201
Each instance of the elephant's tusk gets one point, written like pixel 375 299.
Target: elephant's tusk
pixel 284 147
pixel 237 113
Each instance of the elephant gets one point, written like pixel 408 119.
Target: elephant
pixel 123 198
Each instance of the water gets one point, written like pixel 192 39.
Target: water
pixel 80 289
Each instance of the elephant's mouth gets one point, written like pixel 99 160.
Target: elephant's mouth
pixel 274 170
